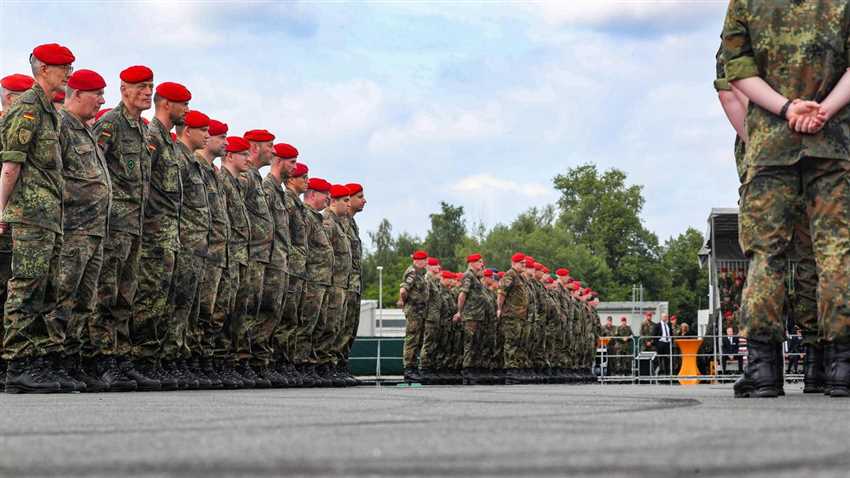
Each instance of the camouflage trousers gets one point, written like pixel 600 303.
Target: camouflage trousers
pixel 275 284
pixel 182 332
pixel 31 293
pixel 348 329
pixel 433 341
pixel 325 335
pixel 472 338
pixel 415 316
pixel 80 261
pixel 770 197
pixel 152 309
pixel 5 273
pixel 248 296
pixel 215 299
pixel 313 304
pixel 116 293
pixel 514 341
pixel 237 311
pixel 286 332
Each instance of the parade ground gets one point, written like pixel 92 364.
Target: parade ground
pixel 564 430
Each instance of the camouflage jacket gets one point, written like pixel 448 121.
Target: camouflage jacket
pixel 31 138
pixel 280 217
pixel 353 232
pixel 721 84
pixel 262 226
pixel 320 252
pixel 237 216
pixel 127 147
pixel 162 211
pixel 516 303
pixel 220 224
pixel 800 48
pixel 414 283
pixel 342 248
pixel 195 219
pixel 475 306
pixel 297 234
pixel 88 189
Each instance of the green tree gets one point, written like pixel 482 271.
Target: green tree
pixel 688 283
pixel 448 231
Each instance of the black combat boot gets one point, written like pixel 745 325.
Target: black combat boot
pixel 228 379
pixel 144 382
pixel 292 375
pixel 470 376
pixel 411 375
pixel 207 369
pixel 336 375
pixel 270 374
pixel 759 379
pixel 58 369
pixel 814 375
pixel 184 382
pixel 245 370
pixel 113 376
pixel 29 375
pixel 168 382
pixel 325 379
pixel 513 376
pixel 190 368
pixel 234 369
pixel 307 380
pixel 426 377
pixel 87 373
pixel 2 371
pixel 350 380
pixel 838 378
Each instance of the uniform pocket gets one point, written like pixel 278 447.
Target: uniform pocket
pixel 32 250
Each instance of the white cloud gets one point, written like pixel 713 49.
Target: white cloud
pixel 613 13
pixel 487 183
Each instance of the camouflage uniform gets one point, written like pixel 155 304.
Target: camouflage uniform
pixel 488 332
pixel 433 328
pixel 320 259
pixel 260 249
pixel 127 148
pixel 624 363
pixel 776 42
pixel 215 299
pixel 183 334
pixel 334 314
pixel 86 199
pixel 234 290
pixel 276 278
pixel 417 288
pixel 646 341
pixel 291 324
pixel 31 137
pixel 348 330
pixel 515 310
pixel 5 264
pixel 160 244
pixel 474 314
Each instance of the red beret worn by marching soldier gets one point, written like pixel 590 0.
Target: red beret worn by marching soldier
pixel 17 82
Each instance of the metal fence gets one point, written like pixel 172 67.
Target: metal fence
pixel 686 360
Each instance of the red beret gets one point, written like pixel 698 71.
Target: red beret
pixel 173 92
pixel 196 119
pixel 136 74
pixel 101 113
pixel 420 255
pixel 285 151
pixel 562 272
pixel 53 54
pixel 518 257
pixel 86 80
pixel 339 191
pixel 501 274
pixel 529 261
pixel 546 269
pixel 529 257
pixel 235 144
pixel 549 279
pixel 473 258
pixel 319 184
pixel 433 261
pixel 259 135
pixel 300 170
pixel 488 273
pixel 59 96
pixel 539 267
pixel 448 275
pixel 17 82
pixel 354 188
pixel 217 128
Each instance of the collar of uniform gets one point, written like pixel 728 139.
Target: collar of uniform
pixel 42 96
pixel 203 161
pixel 163 133
pixel 134 122
pixel 72 120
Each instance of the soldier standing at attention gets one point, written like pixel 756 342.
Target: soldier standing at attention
pixel 123 137
pixel 512 305
pixel 413 298
pixel 182 345
pixel 276 278
pixel 86 200
pixel 11 88
pixel 797 151
pixel 472 310
pixel 320 261
pixel 433 330
pixel 31 186
pixel 356 203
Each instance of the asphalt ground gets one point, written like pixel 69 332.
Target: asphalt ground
pixel 529 430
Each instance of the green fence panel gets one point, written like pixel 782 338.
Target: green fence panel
pixel 364 355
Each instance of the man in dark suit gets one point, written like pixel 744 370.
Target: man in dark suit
pixel 731 344
pixel 663 341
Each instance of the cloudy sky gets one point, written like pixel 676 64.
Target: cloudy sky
pixel 475 103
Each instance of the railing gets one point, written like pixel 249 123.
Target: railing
pixel 627 359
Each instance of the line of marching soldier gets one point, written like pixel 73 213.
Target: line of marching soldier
pixel 486 327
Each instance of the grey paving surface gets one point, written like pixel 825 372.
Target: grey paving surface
pixel 610 430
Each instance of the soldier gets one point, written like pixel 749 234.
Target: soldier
pixel 215 294
pixel 11 88
pixel 414 294
pixel 624 330
pixel 472 310
pixel 780 172
pixel 530 325
pixel 234 164
pixel 276 278
pixel 512 306
pixel 124 139
pixel 433 333
pixel 182 344
pixel 31 186
pixel 348 331
pixel 568 326
pixel 489 368
pixel 160 241
pixel 291 323
pixel 646 329
pixel 262 236
pixel 314 300
pixel 86 198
